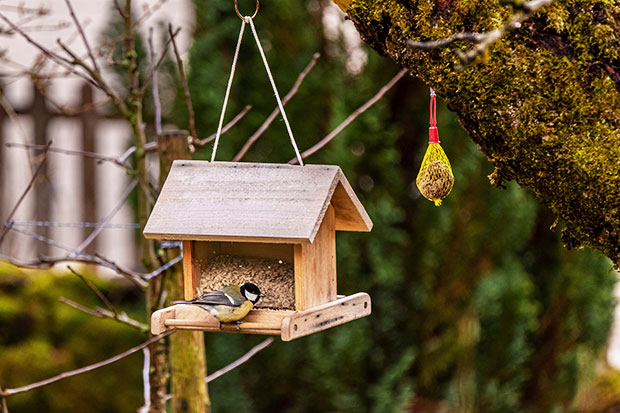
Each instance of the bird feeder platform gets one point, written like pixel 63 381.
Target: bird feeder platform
pixel 287 324
pixel 270 224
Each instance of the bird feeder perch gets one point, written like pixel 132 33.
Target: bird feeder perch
pixel 271 224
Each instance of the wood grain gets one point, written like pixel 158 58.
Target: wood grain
pixel 191 271
pixel 325 316
pixel 288 325
pixel 315 267
pixel 230 201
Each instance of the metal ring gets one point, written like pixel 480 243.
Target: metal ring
pixel 242 17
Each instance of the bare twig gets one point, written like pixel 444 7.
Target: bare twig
pixel 94 289
pixel 252 139
pixel 226 128
pixel 10 392
pixel 152 146
pixel 28 188
pixel 50 54
pixel 86 154
pixel 10 111
pixel 119 9
pixel 484 40
pixel 320 144
pixel 107 219
pixel 99 312
pixel 188 98
pixel 146 380
pixel 95 78
pixel 247 356
pixel 149 77
pixel 3 405
pixel 48 262
pixel 156 101
pixel 84 39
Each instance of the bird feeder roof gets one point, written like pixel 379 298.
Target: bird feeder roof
pixel 241 201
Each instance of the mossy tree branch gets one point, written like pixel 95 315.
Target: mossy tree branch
pixel 543 103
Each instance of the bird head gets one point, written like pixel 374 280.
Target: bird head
pixel 251 292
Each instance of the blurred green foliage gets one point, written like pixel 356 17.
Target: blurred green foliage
pixel 476 305
pixel 41 337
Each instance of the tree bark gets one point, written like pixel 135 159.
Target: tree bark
pixel 543 103
pixel 187 358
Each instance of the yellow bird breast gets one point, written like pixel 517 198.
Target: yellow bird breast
pixel 228 314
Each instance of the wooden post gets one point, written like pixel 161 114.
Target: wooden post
pixel 188 365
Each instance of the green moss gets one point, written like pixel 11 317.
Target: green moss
pixel 544 105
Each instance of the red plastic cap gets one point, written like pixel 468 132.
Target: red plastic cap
pixel 433 135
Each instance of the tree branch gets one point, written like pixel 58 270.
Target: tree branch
pixel 484 40
pixel 243 359
pixel 6 227
pixel 155 88
pixel 93 155
pixel 107 219
pixel 84 39
pixel 99 312
pixel 252 139
pixel 10 392
pixel 188 99
pixel 320 144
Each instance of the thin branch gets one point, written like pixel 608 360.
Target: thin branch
pixel 226 128
pixel 95 290
pixel 484 40
pixel 252 139
pixel 107 219
pixel 320 144
pixel 119 9
pixel 51 55
pixel 10 111
pixel 10 392
pixel 99 312
pixel 86 154
pixel 155 88
pixel 146 380
pixel 247 356
pixel 149 77
pixel 3 405
pixel 28 188
pixel 152 146
pixel 43 263
pixel 96 77
pixel 84 39
pixel 188 98
pixel 80 307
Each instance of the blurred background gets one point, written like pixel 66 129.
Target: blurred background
pixel 477 306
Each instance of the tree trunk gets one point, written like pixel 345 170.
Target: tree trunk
pixel 187 357
pixel 543 104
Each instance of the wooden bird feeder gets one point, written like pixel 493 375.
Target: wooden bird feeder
pixel 270 224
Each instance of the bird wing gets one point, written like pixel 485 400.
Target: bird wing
pixel 220 297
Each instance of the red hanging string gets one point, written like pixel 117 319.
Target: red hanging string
pixel 433 134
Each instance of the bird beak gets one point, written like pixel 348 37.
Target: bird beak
pixel 262 295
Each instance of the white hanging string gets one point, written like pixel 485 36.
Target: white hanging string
pixel 275 91
pixel 248 19
pixel 230 80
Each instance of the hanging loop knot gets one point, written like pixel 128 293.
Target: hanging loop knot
pixel 247 19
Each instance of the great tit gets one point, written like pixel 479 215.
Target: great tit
pixel 229 304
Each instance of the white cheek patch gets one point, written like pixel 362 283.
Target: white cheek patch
pixel 251 296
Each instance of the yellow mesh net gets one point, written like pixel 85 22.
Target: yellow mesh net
pixel 435 179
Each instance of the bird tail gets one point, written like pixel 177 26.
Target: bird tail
pixel 180 302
